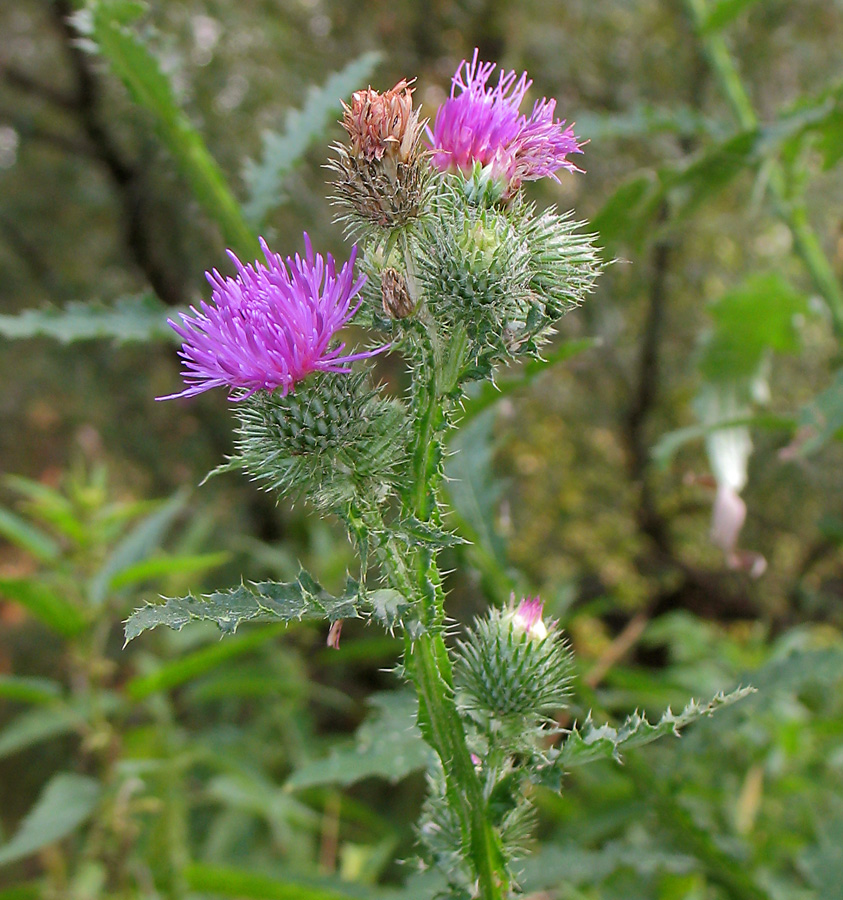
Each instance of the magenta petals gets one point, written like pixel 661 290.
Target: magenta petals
pixel 483 124
pixel 270 326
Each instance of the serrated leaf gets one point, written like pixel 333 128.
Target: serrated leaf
pixel 417 533
pixel 150 88
pixel 36 725
pixel 268 601
pixel 65 803
pixel 281 151
pixel 140 318
pixel 29 690
pixel 588 742
pixel 45 604
pixel 387 745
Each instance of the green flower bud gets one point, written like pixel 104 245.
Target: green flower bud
pixel 512 665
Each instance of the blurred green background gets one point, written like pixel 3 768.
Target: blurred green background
pixel 185 767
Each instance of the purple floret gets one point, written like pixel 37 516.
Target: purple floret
pixel 480 124
pixel 270 326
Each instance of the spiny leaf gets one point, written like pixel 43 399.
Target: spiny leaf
pixel 589 742
pixel 268 601
pixel 281 151
pixel 140 317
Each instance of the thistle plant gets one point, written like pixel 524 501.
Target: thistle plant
pixel 460 275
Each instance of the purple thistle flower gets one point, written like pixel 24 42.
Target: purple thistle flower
pixel 480 124
pixel 270 326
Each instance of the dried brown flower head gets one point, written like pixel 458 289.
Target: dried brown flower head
pixel 383 124
pixel 381 174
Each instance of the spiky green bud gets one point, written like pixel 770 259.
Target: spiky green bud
pixel 512 666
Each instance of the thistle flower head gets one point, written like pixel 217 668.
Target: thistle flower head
pixel 383 124
pixel 482 125
pixel 270 326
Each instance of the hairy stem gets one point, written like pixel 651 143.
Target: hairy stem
pixel 427 657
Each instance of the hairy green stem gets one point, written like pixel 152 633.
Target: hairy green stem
pixel 427 656
pixel 791 212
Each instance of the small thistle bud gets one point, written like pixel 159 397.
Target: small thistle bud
pixel 380 176
pixel 397 302
pixel 512 665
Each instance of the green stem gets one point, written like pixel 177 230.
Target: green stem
pixel 793 214
pixel 427 656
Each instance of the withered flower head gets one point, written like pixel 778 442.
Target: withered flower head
pixel 383 124
pixel 380 175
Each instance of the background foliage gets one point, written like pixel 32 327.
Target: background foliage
pixel 134 146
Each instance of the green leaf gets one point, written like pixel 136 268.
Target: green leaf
pixel 387 745
pixel 45 604
pixel 723 13
pixel 625 216
pixel 36 725
pixel 669 444
pixel 18 531
pixel 268 601
pixel 822 419
pixel 65 803
pixel 136 546
pixel 243 885
pixel 281 152
pixel 710 172
pixel 423 534
pixel 140 71
pixel 34 890
pixel 758 316
pixel 161 566
pixel 29 690
pixel 177 672
pixel 140 318
pixel 590 742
